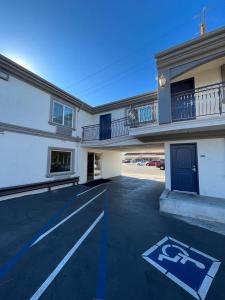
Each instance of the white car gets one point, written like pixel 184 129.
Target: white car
pixel 141 163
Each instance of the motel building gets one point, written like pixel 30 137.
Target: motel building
pixel 47 134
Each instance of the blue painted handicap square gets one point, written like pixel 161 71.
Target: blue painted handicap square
pixel 189 268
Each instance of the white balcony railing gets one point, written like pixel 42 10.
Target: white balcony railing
pixel 200 102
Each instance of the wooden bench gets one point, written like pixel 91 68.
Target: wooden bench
pixel 36 186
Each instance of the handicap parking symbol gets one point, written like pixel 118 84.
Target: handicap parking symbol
pixel 191 269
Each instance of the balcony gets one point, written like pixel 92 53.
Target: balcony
pixel 94 132
pixel 202 102
pixel 137 116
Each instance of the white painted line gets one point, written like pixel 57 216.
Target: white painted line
pixel 89 190
pixel 183 285
pixel 162 241
pixel 153 248
pixel 214 268
pixel 205 287
pixel 178 242
pixel 152 262
pixel 56 271
pixel 203 254
pixel 66 219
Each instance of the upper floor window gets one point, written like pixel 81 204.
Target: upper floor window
pixel 62 114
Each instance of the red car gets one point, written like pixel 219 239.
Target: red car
pixel 160 163
pixel 153 163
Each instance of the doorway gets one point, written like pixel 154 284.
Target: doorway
pixel 184 167
pixel 90 166
pixel 94 166
pixel 105 127
pixel 183 100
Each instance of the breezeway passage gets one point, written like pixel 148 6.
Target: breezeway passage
pixel 133 225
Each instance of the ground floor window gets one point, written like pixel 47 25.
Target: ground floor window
pixel 60 161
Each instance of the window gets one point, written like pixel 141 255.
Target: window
pixel 141 114
pixel 145 113
pixel 62 114
pixel 61 161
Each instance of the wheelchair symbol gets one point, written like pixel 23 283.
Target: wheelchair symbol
pixel 181 257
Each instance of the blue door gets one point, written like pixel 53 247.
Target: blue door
pixel 105 127
pixel 184 168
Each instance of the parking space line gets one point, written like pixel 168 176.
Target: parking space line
pixel 25 247
pixel 56 271
pixel 66 219
pixel 89 189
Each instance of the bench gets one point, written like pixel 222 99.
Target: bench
pixel 36 186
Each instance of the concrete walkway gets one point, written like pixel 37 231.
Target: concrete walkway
pixel 193 206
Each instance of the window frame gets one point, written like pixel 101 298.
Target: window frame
pixel 72 161
pixel 53 100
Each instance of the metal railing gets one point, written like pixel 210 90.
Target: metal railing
pixel 137 116
pixel 204 101
pixel 118 128
pixel 188 105
pixel 141 115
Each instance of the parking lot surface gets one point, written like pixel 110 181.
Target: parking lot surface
pixel 88 243
pixel 143 172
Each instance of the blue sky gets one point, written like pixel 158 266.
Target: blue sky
pixel 100 50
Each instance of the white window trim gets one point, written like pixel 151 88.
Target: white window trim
pixel 63 105
pixel 72 162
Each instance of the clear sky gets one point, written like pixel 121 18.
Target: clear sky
pixel 100 50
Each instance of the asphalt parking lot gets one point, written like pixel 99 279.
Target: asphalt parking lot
pixel 67 244
pixel 143 172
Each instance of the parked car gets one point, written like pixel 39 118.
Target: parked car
pixel 152 163
pixel 159 163
pixel 126 161
pixel 141 163
pixel 162 167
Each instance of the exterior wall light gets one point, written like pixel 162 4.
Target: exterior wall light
pixel 4 75
pixel 162 80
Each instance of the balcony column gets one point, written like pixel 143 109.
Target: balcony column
pixel 164 99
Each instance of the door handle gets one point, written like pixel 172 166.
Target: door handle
pixel 194 168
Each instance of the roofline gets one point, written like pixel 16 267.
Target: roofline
pixel 32 78
pixel 22 73
pixel 190 42
pixel 149 96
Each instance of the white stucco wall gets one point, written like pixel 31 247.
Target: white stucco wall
pixel 23 158
pixel 111 163
pixel 209 75
pixel 211 166
pixel 116 114
pixel 25 105
pixel 83 119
